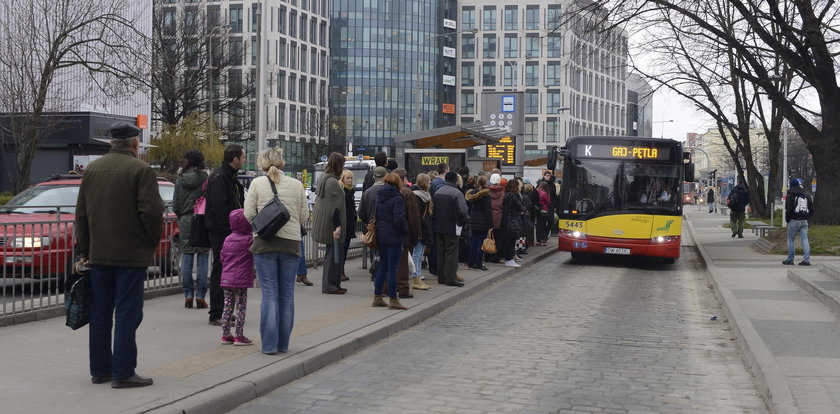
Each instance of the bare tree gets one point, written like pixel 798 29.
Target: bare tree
pixel 48 45
pixel 803 35
pixel 192 54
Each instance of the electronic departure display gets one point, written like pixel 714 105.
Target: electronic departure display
pixel 505 150
pixel 623 152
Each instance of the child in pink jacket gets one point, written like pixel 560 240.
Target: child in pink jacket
pixel 237 277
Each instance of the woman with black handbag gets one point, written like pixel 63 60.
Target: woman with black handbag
pixel 188 188
pixel 276 258
pixel 512 223
pixel 481 220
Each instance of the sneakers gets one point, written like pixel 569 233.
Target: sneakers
pixel 242 341
pixel 227 339
pixel 787 262
pixel 512 263
pixel 804 263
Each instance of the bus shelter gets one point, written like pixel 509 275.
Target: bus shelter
pixel 452 137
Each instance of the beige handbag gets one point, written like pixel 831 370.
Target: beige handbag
pixel 489 243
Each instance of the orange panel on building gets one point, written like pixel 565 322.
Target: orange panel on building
pixel 448 108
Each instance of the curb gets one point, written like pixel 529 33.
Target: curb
pixel 761 363
pixel 226 396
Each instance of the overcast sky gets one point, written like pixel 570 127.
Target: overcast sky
pixel 668 106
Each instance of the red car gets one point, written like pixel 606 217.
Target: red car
pixel 37 240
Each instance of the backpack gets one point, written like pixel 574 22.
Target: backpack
pixel 800 206
pixel 732 200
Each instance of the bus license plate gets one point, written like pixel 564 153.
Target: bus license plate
pixel 616 250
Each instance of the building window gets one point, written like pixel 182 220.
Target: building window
pixel 293 56
pixel 531 130
pixel 303 57
pixel 532 17
pixel 488 18
pixel 303 27
pixel 293 24
pixel 552 129
pixel 236 52
pixel 467 74
pixel 281 20
pixel 489 50
pixel 553 75
pixel 283 53
pixel 468 47
pixel 236 18
pixel 554 101
pixel 253 50
pixel 292 88
pixel 281 117
pixel 510 73
pixel 467 102
pixel 488 74
pixel 532 102
pixel 468 18
pixel 553 19
pixel 293 118
pixel 511 17
pixel 532 45
pixel 281 85
pixel 532 77
pixel 511 46
pixel 554 46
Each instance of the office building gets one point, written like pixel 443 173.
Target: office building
pixel 639 107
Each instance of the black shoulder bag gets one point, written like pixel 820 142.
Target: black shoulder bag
pixel 272 217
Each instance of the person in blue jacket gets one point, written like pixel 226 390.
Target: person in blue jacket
pixel 390 233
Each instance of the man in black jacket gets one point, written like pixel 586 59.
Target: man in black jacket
pixel 737 201
pixel 224 194
pixel 798 208
pixel 450 210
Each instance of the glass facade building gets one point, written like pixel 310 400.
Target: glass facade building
pixel 377 49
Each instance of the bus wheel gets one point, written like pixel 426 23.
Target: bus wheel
pixel 577 255
pixel 668 260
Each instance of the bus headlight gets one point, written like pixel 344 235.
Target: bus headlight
pixel 572 233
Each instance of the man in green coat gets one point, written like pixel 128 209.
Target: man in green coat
pixel 328 217
pixel 119 217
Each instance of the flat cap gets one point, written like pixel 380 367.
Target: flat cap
pixel 379 172
pixel 123 130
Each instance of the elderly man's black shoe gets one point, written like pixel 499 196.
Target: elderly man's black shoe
pixel 134 381
pixel 101 379
pixel 458 284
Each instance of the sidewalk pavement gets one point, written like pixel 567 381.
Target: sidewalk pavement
pixel 791 341
pixel 45 364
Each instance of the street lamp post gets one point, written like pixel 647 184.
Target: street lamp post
pixel 557 126
pixel 210 61
pixel 662 134
pixel 418 100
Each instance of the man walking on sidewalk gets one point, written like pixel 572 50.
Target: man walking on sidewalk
pixel 798 208
pixel 119 217
pixel 224 194
pixel 737 203
pixel 710 199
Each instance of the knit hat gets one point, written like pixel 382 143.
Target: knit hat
pixel 495 179
pixel 795 182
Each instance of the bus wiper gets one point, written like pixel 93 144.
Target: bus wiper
pixel 601 205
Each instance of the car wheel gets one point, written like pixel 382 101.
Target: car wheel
pixel 171 265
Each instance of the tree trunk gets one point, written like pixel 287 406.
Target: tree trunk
pixel 827 167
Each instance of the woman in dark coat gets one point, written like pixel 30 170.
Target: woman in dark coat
pixel 512 208
pixel 391 230
pixel 189 187
pixel 349 229
pixel 481 220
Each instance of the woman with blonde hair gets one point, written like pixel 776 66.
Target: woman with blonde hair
pixel 349 228
pixel 276 259
pixel 424 206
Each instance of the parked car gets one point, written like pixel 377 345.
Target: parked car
pixel 37 231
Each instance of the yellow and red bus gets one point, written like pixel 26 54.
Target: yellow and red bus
pixel 621 196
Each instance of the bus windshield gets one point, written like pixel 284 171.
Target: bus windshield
pixel 594 187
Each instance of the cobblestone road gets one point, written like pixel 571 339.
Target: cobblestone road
pixel 608 336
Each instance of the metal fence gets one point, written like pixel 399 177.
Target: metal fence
pixel 37 257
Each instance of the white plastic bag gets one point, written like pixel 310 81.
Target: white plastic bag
pixel 412 270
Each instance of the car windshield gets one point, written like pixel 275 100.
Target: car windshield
pixel 596 187
pixel 358 176
pixel 49 198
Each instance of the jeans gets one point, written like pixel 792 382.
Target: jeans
pixel 276 273
pixel 301 269
pixel 200 273
pixel 417 258
pixel 116 301
pixel 475 257
pixel 798 227
pixel 389 260
pixel 712 206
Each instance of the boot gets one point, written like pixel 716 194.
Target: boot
pixel 378 302
pixel 303 279
pixel 200 303
pixel 188 303
pixel 458 278
pixel 418 284
pixel 395 304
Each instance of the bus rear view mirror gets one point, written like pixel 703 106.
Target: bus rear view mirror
pixel 552 158
pixel 689 172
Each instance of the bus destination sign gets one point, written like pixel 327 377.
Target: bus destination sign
pixel 623 152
